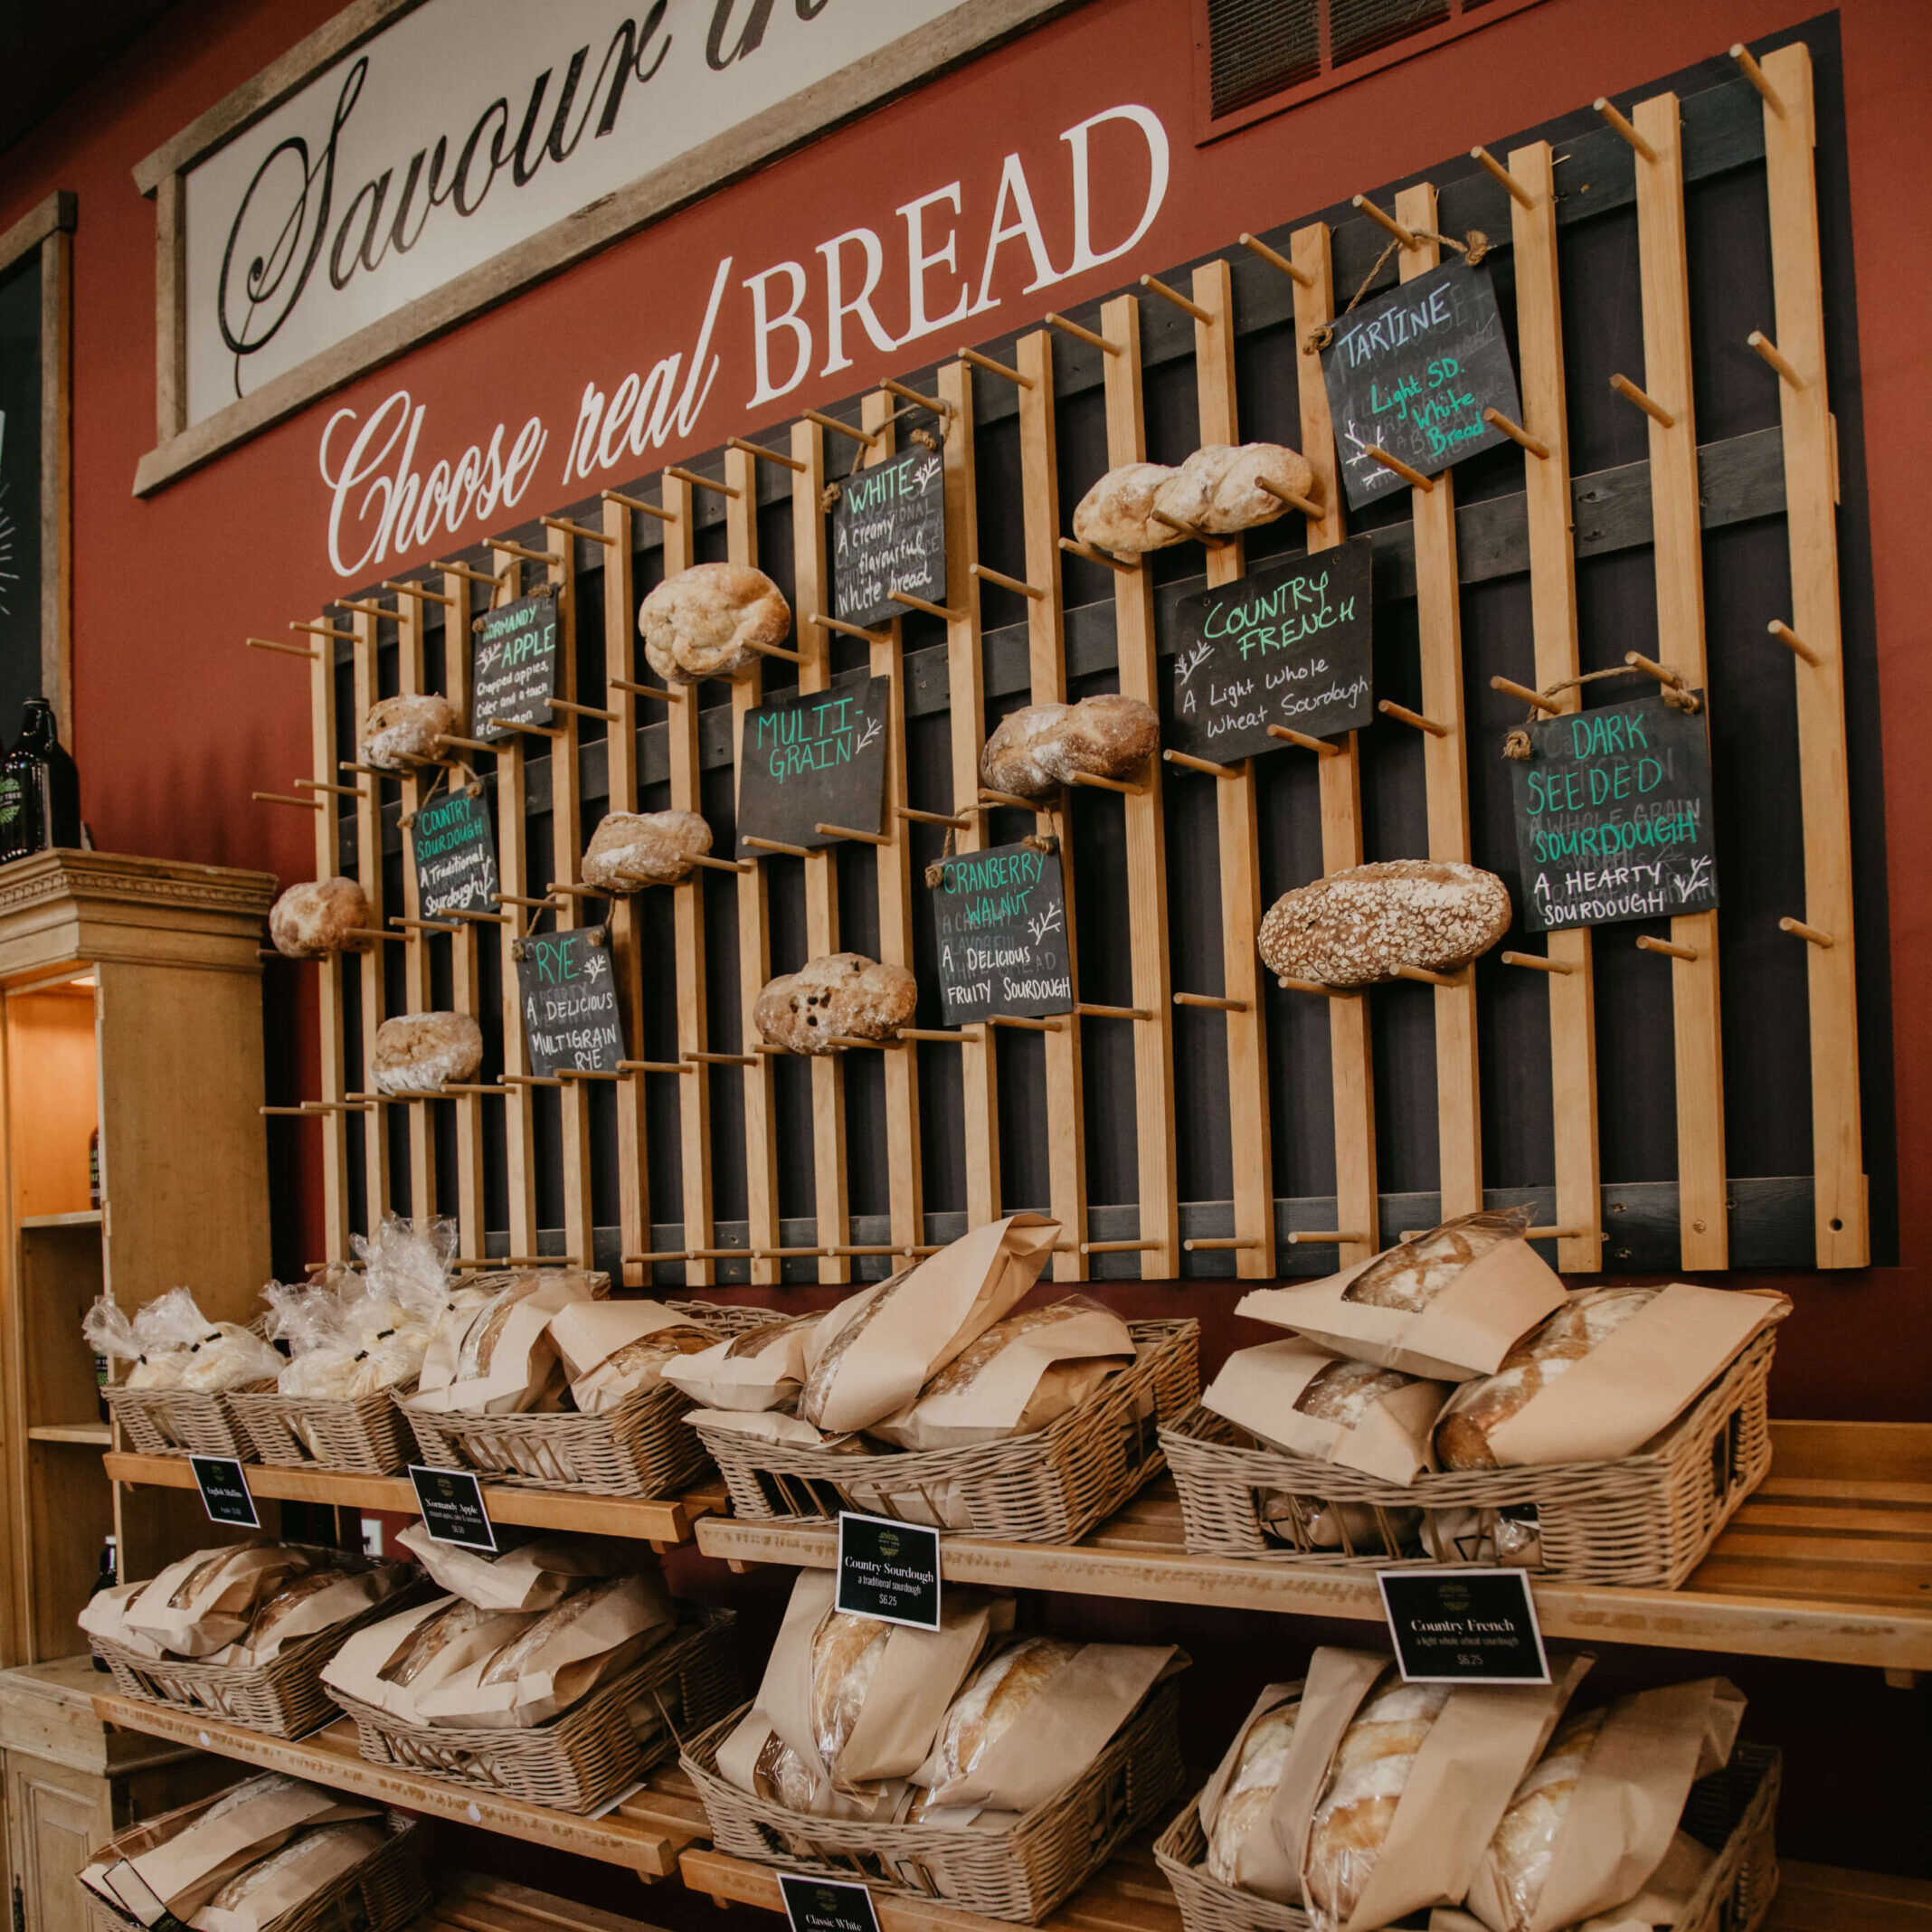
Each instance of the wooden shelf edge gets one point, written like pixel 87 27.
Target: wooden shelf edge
pixel 96 1434
pixel 80 1217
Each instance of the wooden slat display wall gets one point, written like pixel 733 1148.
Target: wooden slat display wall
pixel 1154 370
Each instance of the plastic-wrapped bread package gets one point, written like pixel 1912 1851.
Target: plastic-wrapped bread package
pixel 392 1663
pixel 1450 1304
pixel 203 1603
pixel 1237 1803
pixel 1298 1396
pixel 615 1350
pixel 255 1899
pixel 174 1345
pixel 763 1369
pixel 536 1575
pixel 756 1759
pixel 499 1359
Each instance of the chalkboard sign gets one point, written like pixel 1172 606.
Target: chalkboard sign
pixel 1613 817
pixel 1290 645
pixel 452 1506
pixel 889 1570
pixel 1463 1626
pixel 1000 918
pixel 516 671
pixel 826 1905
pixel 570 1019
pixel 455 855
pixel 224 1491
pixel 889 534
pixel 807 762
pixel 1413 372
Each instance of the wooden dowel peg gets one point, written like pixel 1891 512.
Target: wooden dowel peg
pixel 698 482
pixel 852 1040
pixel 586 1072
pixel 584 711
pixel 1087 1010
pixel 1155 286
pixel 1755 74
pixel 288 650
pixel 1809 932
pixel 577 892
pixel 1295 501
pixel 578 529
pixel 481 918
pixel 1498 172
pixel 775 650
pixel 862 1251
pixel 392 1100
pixel 322 785
pixel 639 505
pixel 1117 1247
pixel 1786 636
pixel 1025 1024
pixel 1290 984
pixel 1776 357
pixel 664 697
pixel 1412 477
pixel 1275 260
pixel 934 405
pixel 381 613
pixel 423 594
pixel 774 844
pixel 300 1113
pixel 518 899
pixel 644 1261
pixel 530 1080
pixel 1094 781
pixel 1537 962
pixel 1517 433
pixel 1650 407
pixel 783 1254
pixel 654 1066
pixel 996 368
pixel 917 817
pixel 468 575
pixel 423 925
pixel 1188 530
pixel 1623 126
pixel 824 421
pixel 1213 1244
pixel 468 744
pixel 1637 661
pixel 1423 977
pixel 1321 747
pixel 1403 715
pixel 369 771
pixel 1124 565
pixel 324 631
pixel 1562 1234
pixel 849 631
pixel 1511 689
pixel 1387 223
pixel 525 724
pixel 1645 943
pixel 974 1030
pixel 713 864
pixel 1214 1000
pixel 1318 1237
pixel 1080 334
pixel 1189 763
pixel 282 798
pixel 848 831
pixel 919 603
pixel 722 1059
pixel 472 1086
pixel 1008 583
pixel 759 453
pixel 523 552
pixel 1011 801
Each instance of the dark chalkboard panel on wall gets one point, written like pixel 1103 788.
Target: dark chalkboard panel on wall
pixel 455 854
pixel 1411 372
pixel 889 534
pixel 515 673
pixel 1001 920
pixel 807 762
pixel 1290 645
pixel 569 998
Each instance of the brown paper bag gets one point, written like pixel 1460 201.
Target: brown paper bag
pixel 1666 1895
pixel 203 1603
pixel 614 1349
pixel 1238 1801
pixel 254 1899
pixel 537 1575
pixel 757 1760
pixel 1298 1396
pixel 392 1663
pixel 306 1604
pixel 105 1616
pixel 499 1359
pixel 775 1426
pixel 762 1368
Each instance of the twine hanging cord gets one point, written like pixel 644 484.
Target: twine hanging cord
pixel 1473 249
pixel 1517 744
pixel 935 874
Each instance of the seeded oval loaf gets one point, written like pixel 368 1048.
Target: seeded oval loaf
pixel 1035 750
pixel 401 733
pixel 1356 928
pixel 320 916
pixel 422 1053
pixel 706 621
pixel 844 994
pixel 631 849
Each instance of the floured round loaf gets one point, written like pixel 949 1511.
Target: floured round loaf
pixel 1218 488
pixel 422 1053
pixel 1345 1391
pixel 844 994
pixel 1356 928
pixel 1118 512
pixel 401 733
pixel 631 849
pixel 1035 750
pixel 706 621
pixel 320 916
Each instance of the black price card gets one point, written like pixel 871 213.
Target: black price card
pixel 1000 918
pixel 889 1570
pixel 514 674
pixel 1411 372
pixel 808 762
pixel 1613 818
pixel 224 1491
pixel 454 852
pixel 889 534
pixel 826 1905
pixel 568 997
pixel 1289 645
pixel 1463 1626
pixel 451 1501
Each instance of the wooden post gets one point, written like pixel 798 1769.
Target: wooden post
pixel 369 875
pixel 566 847
pixel 1553 614
pixel 1153 1040
pixel 1350 1051
pixel 1677 529
pixel 331 981
pixel 416 942
pixel 465 986
pixel 1811 474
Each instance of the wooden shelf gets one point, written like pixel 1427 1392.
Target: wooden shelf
pixel 662 1522
pixel 646 1831
pixel 1829 1561
pixel 80 1217
pixel 1828 1899
pixel 96 1434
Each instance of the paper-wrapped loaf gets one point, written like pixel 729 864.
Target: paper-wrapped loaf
pixel 422 1053
pixel 1242 1848
pixel 402 732
pixel 708 621
pixel 631 849
pixel 844 995
pixel 317 917
pixel 1356 928
pixel 1035 750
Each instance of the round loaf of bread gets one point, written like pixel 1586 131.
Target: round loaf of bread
pixel 995 1701
pixel 1035 750
pixel 402 732
pixel 422 1053
pixel 1355 928
pixel 846 1650
pixel 1411 1275
pixel 1118 512
pixel 317 917
pixel 1250 1793
pixel 1218 488
pixel 1526 1840
pixel 632 850
pixel 842 995
pixel 1345 1391
pixel 708 620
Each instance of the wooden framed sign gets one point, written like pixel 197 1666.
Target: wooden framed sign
pixel 889 534
pixel 813 760
pixel 1001 920
pixel 453 848
pixel 515 675
pixel 1290 645
pixel 572 1020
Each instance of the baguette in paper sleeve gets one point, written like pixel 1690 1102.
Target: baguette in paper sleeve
pixel 273 1886
pixel 613 1350
pixel 1237 1803
pixel 499 1359
pixel 204 1602
pixel 392 1663
pixel 762 1368
pixel 537 1575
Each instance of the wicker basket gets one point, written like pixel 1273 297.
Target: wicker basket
pixel 1731 1812
pixel 1020 1874
pixel 1048 1487
pixel 1644 1522
pixel 641 1447
pixel 595 1750
pixel 382 1894
pixel 365 1435
pixel 182 1421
